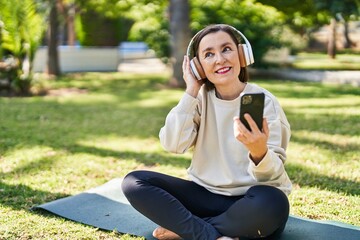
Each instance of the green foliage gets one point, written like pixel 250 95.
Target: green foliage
pixel 22 31
pixel 299 14
pixel 347 8
pixel 103 23
pixel 262 25
pixel 108 8
pixel 305 14
pixel 95 29
pixel 152 26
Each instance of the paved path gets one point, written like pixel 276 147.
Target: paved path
pixel 154 65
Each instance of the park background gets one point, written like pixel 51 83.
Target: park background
pixel 65 131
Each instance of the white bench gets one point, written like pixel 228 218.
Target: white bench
pixel 131 50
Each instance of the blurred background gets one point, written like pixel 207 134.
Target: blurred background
pixel 91 117
pixel 58 36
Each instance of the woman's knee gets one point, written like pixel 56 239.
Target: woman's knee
pixel 272 208
pixel 130 183
pixel 269 197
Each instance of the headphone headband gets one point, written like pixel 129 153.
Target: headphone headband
pixel 239 35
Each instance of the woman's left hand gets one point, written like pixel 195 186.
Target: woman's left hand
pixel 254 140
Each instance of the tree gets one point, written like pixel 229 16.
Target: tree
pixel 180 36
pixel 262 25
pixel 103 23
pixel 151 25
pixel 312 13
pixel 300 15
pixel 346 9
pixel 53 65
pixel 68 10
pixel 331 48
pixel 1 29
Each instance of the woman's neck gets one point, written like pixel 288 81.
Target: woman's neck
pixel 229 92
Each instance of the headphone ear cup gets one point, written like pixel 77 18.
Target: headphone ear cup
pixel 249 59
pixel 242 57
pixel 197 69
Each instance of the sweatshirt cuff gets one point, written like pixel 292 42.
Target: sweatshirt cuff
pixel 263 166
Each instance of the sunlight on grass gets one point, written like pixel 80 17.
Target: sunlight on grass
pixel 60 145
pixel 315 203
pixel 150 150
pixel 323 61
pixel 348 104
pixel 124 143
pixel 162 98
pixel 323 156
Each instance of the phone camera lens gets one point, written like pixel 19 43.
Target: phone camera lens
pixel 247 100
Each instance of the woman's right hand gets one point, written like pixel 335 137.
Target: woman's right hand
pixel 192 84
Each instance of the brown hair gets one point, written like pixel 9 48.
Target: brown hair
pixel 243 76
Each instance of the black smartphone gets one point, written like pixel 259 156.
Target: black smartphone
pixel 253 104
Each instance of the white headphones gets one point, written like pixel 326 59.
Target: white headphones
pixel 246 56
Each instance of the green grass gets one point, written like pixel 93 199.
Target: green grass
pixel 321 61
pixel 56 146
pixel 316 61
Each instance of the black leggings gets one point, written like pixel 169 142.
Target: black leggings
pixel 193 212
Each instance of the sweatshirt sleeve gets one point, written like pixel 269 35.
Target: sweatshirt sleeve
pixel 271 167
pixel 181 125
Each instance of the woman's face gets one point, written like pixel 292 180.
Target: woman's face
pixel 218 55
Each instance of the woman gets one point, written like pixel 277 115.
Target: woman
pixel 238 184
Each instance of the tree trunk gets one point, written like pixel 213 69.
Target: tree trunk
pixel 70 21
pixel 1 51
pixel 53 66
pixel 332 39
pixel 180 37
pixel 347 42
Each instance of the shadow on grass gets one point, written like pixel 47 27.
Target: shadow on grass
pixel 20 196
pixel 148 159
pixel 71 122
pixel 125 87
pixel 347 125
pixel 337 148
pixel 59 123
pixel 307 177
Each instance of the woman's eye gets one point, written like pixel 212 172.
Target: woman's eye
pixel 208 54
pixel 226 49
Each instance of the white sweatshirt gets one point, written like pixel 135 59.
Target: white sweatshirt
pixel 220 162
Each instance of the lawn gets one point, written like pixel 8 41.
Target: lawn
pixel 321 61
pixel 314 61
pixel 99 126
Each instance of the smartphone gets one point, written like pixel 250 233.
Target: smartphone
pixel 253 104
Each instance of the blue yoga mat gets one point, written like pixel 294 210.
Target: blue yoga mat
pixel 106 207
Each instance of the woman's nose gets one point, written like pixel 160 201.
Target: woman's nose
pixel 220 58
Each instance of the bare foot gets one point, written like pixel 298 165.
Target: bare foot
pixel 164 234
pixel 227 238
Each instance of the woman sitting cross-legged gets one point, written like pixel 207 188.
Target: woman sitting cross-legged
pixel 238 186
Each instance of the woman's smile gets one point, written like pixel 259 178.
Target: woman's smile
pixel 223 70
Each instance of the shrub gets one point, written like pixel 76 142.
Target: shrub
pixel 21 34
